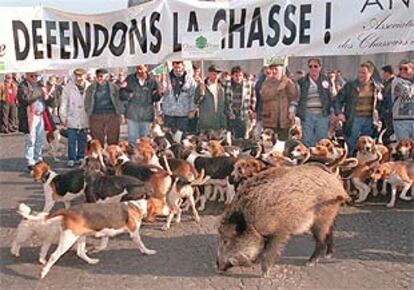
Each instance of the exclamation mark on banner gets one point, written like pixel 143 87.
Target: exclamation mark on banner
pixel 328 18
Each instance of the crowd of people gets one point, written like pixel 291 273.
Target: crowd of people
pixel 237 101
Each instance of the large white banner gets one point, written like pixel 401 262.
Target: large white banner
pixel 43 38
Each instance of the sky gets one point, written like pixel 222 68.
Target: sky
pixel 76 6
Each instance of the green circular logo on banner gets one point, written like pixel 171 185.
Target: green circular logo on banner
pixel 201 42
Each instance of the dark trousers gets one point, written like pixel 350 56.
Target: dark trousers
pixel 76 143
pixel 179 123
pixel 238 127
pixel 105 126
pixel 8 117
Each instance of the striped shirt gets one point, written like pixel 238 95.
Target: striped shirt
pixel 313 100
pixel 365 101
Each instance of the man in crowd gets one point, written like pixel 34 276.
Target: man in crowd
pixel 356 105
pixel 8 109
pixel 74 117
pixel 266 73
pixel 32 97
pixel 210 98
pixel 385 105
pixel 403 101
pixel 278 97
pixel 314 103
pixel 103 108
pixel 140 91
pixel 240 95
pixel 178 100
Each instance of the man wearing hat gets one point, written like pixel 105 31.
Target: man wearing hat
pixel 403 101
pixel 278 96
pixel 210 98
pixel 104 109
pixel 74 117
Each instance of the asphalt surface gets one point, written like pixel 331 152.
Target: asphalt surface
pixel 375 249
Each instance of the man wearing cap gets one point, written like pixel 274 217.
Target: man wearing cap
pixel 278 95
pixel 178 99
pixel 103 107
pixel 32 112
pixel 402 93
pixel 140 91
pixel 210 98
pixel 74 117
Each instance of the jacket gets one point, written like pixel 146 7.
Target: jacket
pixel 248 99
pixel 325 94
pixel 277 98
pixel 183 103
pixel 26 97
pixel 209 119
pixel 3 91
pixel 346 101
pixel 72 107
pixel 90 98
pixel 140 99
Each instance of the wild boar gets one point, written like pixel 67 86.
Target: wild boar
pixel 273 206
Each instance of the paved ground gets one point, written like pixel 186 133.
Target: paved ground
pixel 374 249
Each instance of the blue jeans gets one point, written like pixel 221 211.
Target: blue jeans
pixel 34 140
pixel 137 129
pixel 315 128
pixel 76 143
pixel 404 129
pixel 179 123
pixel 360 126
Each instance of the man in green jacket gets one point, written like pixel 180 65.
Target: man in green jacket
pixel 211 101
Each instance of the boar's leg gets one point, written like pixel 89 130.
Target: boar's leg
pixel 272 250
pixel 322 232
pixel 330 251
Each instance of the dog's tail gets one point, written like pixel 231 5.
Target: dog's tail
pixel 381 136
pixel 25 211
pixel 167 165
pixel 201 179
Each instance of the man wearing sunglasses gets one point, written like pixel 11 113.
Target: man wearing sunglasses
pixel 402 93
pixel 314 103
pixel 32 97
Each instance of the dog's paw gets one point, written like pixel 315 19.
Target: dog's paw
pixel 406 198
pixel 165 228
pixel 150 252
pixel 42 261
pixel 197 219
pixel 390 205
pixel 93 261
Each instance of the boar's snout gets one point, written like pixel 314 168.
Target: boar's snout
pixel 224 266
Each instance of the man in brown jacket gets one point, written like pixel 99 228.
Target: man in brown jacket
pixel 279 94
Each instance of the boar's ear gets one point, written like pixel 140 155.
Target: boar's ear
pixel 237 218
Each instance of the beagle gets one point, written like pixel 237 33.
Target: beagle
pixel 59 187
pixel 99 220
pixel 405 149
pixel 182 189
pixel 367 150
pixel 145 153
pixel 398 174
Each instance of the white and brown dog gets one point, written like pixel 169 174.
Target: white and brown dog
pixel 98 220
pixel 182 189
pixel 59 187
pixel 398 174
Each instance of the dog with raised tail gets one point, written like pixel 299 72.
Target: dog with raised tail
pixel 98 220
pixel 182 189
